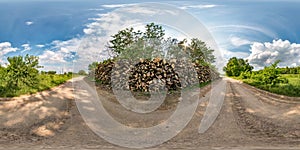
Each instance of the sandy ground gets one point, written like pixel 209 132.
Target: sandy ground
pixel 249 119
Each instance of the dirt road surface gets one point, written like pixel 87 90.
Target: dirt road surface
pixel 249 119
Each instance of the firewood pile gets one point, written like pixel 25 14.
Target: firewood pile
pixel 171 74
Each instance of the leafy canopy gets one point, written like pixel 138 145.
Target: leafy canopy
pixel 129 43
pixel 82 72
pixel 93 66
pixel 22 71
pixel 236 66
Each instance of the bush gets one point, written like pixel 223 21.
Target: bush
pixel 21 72
pixel 82 72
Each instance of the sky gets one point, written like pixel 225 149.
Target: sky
pixel 67 35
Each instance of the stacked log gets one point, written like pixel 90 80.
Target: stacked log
pixel 170 74
pixel 103 72
pixel 146 71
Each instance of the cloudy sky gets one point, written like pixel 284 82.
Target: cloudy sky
pixel 67 35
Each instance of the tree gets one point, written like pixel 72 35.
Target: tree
pixel 154 31
pixel 81 72
pixel 235 67
pixel 132 45
pixel 22 71
pixel 92 67
pixel 200 53
pixel 124 38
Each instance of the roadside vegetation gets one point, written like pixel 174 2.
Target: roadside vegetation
pixel 21 76
pixel 283 81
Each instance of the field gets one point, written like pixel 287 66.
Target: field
pixel 292 88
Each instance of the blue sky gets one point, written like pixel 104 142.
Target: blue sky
pixel 69 34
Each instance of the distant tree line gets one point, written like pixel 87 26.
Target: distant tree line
pixel 288 70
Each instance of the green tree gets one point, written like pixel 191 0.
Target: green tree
pixel 124 38
pixel 133 45
pixel 82 72
pixel 154 31
pixel 93 66
pixel 200 53
pixel 22 71
pixel 236 66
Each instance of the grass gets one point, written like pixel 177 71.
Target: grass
pixel 46 82
pixel 292 88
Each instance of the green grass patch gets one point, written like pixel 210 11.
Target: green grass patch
pixel 46 81
pixel 292 88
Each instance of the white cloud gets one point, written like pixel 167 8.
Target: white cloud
pixel 96 9
pixel 264 54
pixel 228 54
pixel 26 47
pixel 88 48
pixel 40 46
pixel 51 57
pixel 29 23
pixel 116 5
pixel 140 10
pixel 60 51
pixel 236 41
pixel 199 6
pixel 137 9
pixel 5 48
pixel 92 46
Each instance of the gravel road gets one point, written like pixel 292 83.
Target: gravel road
pixel 249 119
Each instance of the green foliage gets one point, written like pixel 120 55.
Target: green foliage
pixel 51 72
pixel 129 42
pixel 200 53
pixel 142 49
pixel 82 72
pixel 150 44
pixel 124 38
pixel 46 82
pixel 2 80
pixel 271 79
pixel 270 75
pixel 236 66
pixel 93 66
pixel 292 88
pixel 21 76
pixel 21 72
pixel 154 31
pixel 288 70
